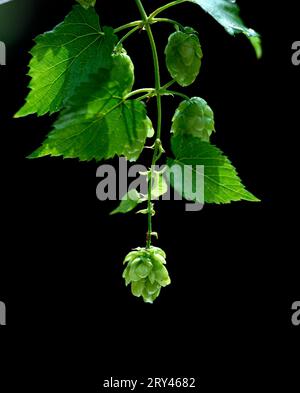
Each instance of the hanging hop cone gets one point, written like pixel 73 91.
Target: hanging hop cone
pixel 194 117
pixel 183 56
pixel 146 272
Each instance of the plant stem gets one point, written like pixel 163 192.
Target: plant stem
pixel 128 26
pixel 147 95
pixel 156 64
pixel 167 85
pixel 159 113
pixel 130 32
pixel 139 24
pixel 139 91
pixel 152 92
pixel 165 7
pixel 166 20
pixel 175 93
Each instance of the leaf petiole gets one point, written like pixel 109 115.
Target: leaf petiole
pixel 166 20
pixel 169 84
pixel 130 32
pixel 174 93
pixel 139 24
pixel 153 92
pixel 149 92
pixel 136 23
pixel 165 7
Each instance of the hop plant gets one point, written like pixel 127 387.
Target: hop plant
pixel 195 118
pixel 146 272
pixel 81 69
pixel 183 56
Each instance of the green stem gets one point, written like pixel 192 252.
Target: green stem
pixel 165 7
pixel 152 92
pixel 138 23
pixel 167 85
pixel 140 91
pixel 166 20
pixel 130 32
pixel 175 93
pixel 149 208
pixel 147 95
pixel 159 113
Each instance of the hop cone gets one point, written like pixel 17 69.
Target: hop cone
pixel 183 56
pixel 194 117
pixel 146 273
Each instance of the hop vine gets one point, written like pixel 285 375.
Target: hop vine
pixel 81 71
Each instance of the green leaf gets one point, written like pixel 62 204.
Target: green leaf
pixel 98 122
pixel 66 57
pixel 226 12
pixel 87 3
pixel 221 182
pixel 129 202
pixel 256 43
pixel 183 56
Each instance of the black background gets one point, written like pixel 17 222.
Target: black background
pixel 226 316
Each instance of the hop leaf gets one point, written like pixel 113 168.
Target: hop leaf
pixel 64 58
pixel 194 117
pixel 146 272
pixel 183 56
pixel 221 181
pixel 98 122
pixel 227 13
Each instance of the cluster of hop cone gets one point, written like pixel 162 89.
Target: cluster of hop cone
pixel 146 272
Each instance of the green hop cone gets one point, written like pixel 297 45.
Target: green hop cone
pixel 183 56
pixel 194 117
pixel 146 272
pixel 87 3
